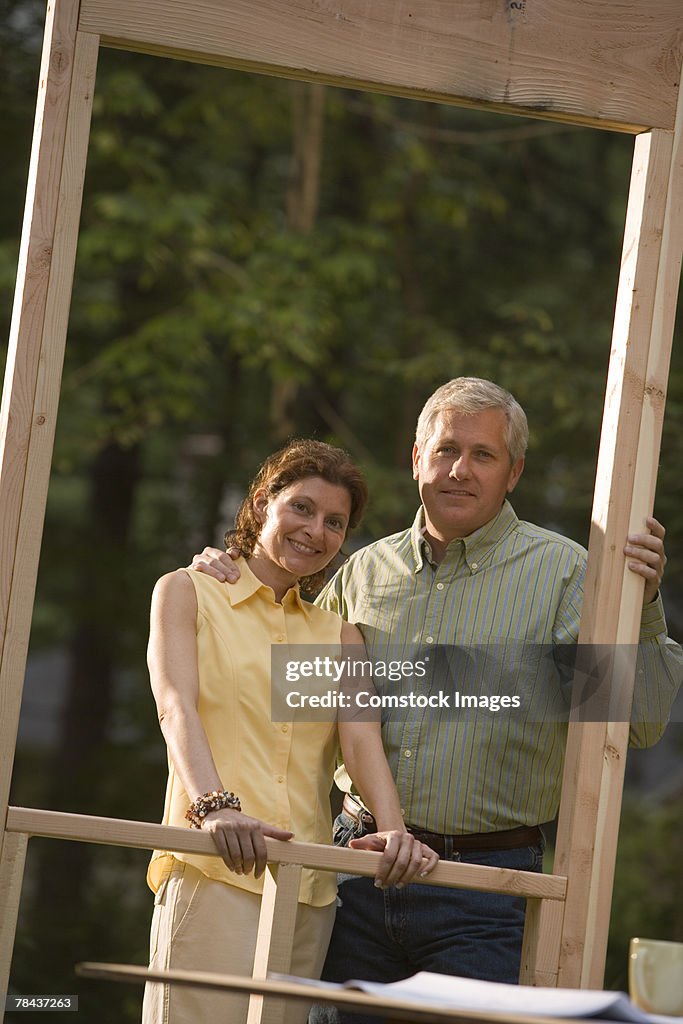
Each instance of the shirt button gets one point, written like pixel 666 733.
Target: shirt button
pixel 475 565
pixel 280 638
pixel 439 586
pixel 280 778
pixel 285 728
pixel 408 753
pixel 429 639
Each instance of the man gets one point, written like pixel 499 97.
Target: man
pixel 469 575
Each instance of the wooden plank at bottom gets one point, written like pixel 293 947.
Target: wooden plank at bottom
pixel 301 990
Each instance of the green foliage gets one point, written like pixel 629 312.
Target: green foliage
pixel 648 886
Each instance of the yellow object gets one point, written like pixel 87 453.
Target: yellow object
pixel 282 772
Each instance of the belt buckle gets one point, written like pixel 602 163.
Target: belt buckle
pixel 355 810
pixel 366 819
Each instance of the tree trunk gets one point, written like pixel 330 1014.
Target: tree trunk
pixel 308 118
pixel 303 191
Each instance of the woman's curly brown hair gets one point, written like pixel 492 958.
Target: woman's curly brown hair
pixel 298 460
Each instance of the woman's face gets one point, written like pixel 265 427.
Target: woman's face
pixel 304 525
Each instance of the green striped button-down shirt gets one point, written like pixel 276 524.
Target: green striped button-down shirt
pixel 513 587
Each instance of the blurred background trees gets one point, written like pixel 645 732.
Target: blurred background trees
pixel 260 259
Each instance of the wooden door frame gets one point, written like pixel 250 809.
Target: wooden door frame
pixel 613 65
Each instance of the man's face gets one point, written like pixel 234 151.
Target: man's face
pixel 464 472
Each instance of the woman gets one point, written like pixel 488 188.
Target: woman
pixel 234 772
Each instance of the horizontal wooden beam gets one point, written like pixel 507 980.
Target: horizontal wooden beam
pixel 608 63
pixel 149 836
pixel 387 1004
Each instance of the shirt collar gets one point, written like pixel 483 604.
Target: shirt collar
pixel 475 546
pixel 418 543
pixel 248 584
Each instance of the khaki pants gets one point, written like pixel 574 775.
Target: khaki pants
pixel 200 924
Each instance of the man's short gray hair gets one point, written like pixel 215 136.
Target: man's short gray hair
pixel 468 395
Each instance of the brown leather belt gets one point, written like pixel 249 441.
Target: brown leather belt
pixel 508 839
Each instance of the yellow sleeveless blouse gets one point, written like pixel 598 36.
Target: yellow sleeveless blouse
pixel 281 771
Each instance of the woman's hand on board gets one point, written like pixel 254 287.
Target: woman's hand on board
pixel 240 839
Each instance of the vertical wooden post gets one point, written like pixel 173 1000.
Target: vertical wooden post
pixel 541 945
pixel 532 923
pixel 39 323
pixel 275 938
pixel 12 862
pixel 632 423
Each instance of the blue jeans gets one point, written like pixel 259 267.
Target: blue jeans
pixel 389 934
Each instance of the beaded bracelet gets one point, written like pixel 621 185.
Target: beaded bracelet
pixel 214 801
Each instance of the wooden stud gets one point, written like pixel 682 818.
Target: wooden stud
pixel 41 309
pixel 610 63
pixel 277 925
pixel 527 969
pixel 35 356
pixel 11 878
pixel 539 962
pixel 542 933
pixel 629 450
